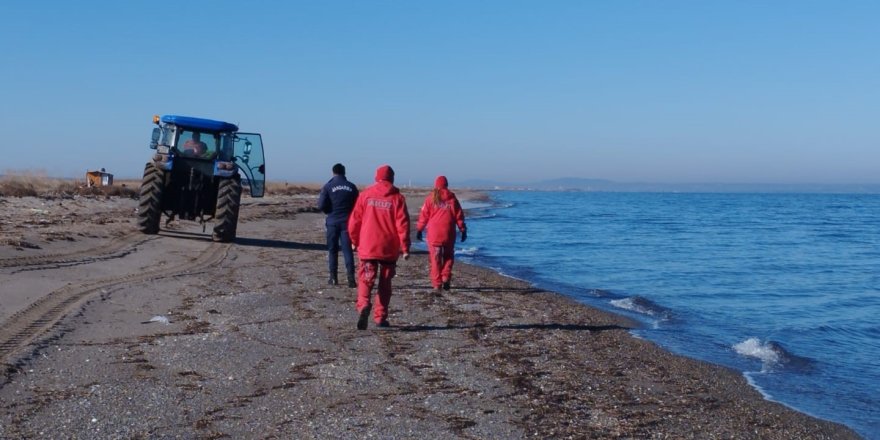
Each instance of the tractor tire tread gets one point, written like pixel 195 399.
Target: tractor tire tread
pixel 228 204
pixel 150 202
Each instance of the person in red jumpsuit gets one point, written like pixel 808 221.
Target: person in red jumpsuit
pixel 441 213
pixel 379 232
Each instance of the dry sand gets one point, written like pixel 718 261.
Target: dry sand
pixel 256 345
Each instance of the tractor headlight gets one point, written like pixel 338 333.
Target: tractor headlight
pixel 163 149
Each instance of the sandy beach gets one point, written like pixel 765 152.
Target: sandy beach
pixel 109 333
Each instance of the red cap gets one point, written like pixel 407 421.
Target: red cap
pixel 441 182
pixel 385 172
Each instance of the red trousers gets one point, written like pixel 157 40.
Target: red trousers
pixel 368 271
pixel 441 263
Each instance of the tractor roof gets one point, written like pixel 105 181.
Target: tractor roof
pixel 206 125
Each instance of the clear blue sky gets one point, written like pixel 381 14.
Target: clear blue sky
pixel 632 91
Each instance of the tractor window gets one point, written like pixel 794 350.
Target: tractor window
pixel 167 136
pixel 249 159
pixel 197 144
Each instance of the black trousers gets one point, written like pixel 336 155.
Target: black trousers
pixel 337 237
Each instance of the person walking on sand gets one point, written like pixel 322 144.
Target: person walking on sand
pixel 379 231
pixel 441 213
pixel 337 200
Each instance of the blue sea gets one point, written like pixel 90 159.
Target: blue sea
pixel 782 287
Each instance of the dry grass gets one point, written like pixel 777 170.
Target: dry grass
pixel 34 184
pixel 39 185
pixel 292 189
pixel 289 189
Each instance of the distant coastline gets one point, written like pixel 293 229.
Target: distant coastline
pixel 560 184
pixel 599 185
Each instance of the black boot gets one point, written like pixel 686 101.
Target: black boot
pixel 351 281
pixel 333 281
pixel 364 317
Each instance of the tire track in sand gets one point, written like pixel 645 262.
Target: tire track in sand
pixel 115 248
pixel 28 324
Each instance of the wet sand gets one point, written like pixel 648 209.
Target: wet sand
pixel 258 346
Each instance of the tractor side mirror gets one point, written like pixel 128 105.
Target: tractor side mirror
pixel 157 133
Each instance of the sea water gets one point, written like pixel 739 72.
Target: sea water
pixel 782 287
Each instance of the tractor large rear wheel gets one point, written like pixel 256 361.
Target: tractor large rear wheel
pixel 150 205
pixel 226 214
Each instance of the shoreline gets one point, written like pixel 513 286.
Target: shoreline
pixel 627 324
pixel 781 372
pixel 261 346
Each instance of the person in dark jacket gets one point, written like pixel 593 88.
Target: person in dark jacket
pixel 379 229
pixel 440 214
pixel 337 199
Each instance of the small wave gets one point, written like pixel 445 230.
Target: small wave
pixel 481 216
pixel 753 347
pixel 467 252
pixel 773 355
pixel 501 272
pixel 751 380
pixel 470 204
pixel 642 305
pixel 600 293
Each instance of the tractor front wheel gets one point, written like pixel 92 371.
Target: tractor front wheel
pixel 226 214
pixel 150 205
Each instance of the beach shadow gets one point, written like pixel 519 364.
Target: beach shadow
pixel 185 235
pixel 245 241
pixel 566 327
pixel 279 244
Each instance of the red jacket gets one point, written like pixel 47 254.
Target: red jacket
pixel 441 216
pixel 379 223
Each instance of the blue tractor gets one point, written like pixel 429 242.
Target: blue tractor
pixel 198 172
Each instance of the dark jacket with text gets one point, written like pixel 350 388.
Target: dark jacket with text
pixel 337 199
